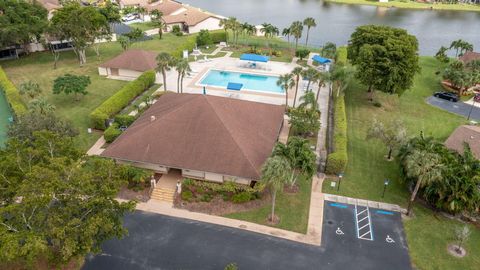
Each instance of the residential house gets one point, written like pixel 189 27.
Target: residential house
pixel 468 134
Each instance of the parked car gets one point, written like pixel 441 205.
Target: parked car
pixel 447 96
pixel 130 17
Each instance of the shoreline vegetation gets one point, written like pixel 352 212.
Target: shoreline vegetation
pixel 411 5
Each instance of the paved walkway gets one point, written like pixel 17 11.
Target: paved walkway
pixel 372 204
pixel 97 149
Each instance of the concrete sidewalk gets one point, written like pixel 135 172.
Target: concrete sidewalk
pixel 372 204
pixel 314 230
pixel 97 149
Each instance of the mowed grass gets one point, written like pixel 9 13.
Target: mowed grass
pixel 38 67
pixel 412 5
pixel 427 234
pixel 292 208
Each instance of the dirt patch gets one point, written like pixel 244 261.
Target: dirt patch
pixel 273 220
pixel 291 189
pixel 140 196
pixel 217 206
pixel 456 251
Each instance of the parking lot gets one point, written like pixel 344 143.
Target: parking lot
pixel 370 238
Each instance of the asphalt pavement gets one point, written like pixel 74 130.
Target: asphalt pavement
pixel 459 108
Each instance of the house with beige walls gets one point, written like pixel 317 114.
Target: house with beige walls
pixel 192 20
pixel 203 137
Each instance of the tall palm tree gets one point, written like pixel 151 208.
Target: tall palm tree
pixel 296 30
pixel 183 68
pixel 41 106
pixel 297 73
pixel 309 73
pixel 164 62
pixel 30 89
pixel 286 33
pixel 226 26
pixel 275 172
pixel 141 10
pixel 308 101
pixel 309 23
pixel 321 78
pixel 157 20
pixel 426 168
pixel 286 81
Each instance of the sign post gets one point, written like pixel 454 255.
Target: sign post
pixel 476 98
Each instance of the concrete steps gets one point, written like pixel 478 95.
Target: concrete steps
pixel 163 194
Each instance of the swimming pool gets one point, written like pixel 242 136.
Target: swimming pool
pixel 255 82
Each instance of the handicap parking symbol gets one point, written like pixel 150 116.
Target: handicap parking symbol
pixel 339 231
pixel 389 239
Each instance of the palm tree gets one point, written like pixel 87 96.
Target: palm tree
pixel 164 62
pixel 426 168
pixel 309 23
pixel 141 10
pixel 275 172
pixel 321 78
pixel 41 106
pixel 124 41
pixel 308 101
pixel 183 67
pixel 309 73
pixel 236 27
pixel 297 72
pixel 286 81
pixel 157 20
pixel 296 30
pixel 286 33
pixel 31 89
pixel 226 26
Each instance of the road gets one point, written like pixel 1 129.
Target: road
pixel 458 108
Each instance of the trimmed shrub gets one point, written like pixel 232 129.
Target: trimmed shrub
pixel 218 36
pixel 302 53
pixel 12 94
pixel 188 45
pixel 187 195
pixel 341 57
pixel 121 99
pixel 111 133
pixel 177 31
pixel 241 197
pixel 204 38
pixel 124 120
pixel 337 161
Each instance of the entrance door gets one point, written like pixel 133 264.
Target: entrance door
pixel 114 71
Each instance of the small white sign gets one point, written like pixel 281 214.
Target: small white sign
pixel 333 184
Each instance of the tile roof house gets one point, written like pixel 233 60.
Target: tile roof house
pixel 129 65
pixel 206 137
pixel 469 57
pixel 192 20
pixel 167 7
pixel 465 134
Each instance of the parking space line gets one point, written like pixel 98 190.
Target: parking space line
pixel 363 223
pixel 382 212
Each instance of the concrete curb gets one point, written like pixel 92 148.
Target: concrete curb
pixel 371 204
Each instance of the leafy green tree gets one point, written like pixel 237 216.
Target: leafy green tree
pixel 204 38
pixel 304 121
pixel 110 11
pixel 21 22
pixel 56 204
pixel 30 89
pixel 164 62
pixel 392 134
pixel 441 55
pixel 309 73
pixel 41 106
pixel 27 124
pixel 302 53
pixel 386 58
pixel 329 50
pixel 296 30
pixel 275 173
pixel 297 73
pixel 308 101
pixel 157 21
pixel 124 41
pixel 68 84
pixel 286 81
pixel 80 24
pixel 309 23
pixel 341 76
pixel 183 68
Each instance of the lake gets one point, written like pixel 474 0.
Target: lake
pixel 4 115
pixel 335 22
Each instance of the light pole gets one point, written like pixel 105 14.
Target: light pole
pixel 385 184
pixel 340 175
pixel 476 98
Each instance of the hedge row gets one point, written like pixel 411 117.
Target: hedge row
pixel 341 57
pixel 337 161
pixel 188 45
pixel 12 95
pixel 218 36
pixel 121 99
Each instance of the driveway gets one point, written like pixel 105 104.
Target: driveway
pixel 459 108
pixel 161 242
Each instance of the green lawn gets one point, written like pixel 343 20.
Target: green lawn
pixel 39 68
pixel 143 25
pixel 411 5
pixel 291 208
pixel 367 167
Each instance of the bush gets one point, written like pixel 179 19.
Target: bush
pixel 218 36
pixel 177 31
pixel 187 195
pixel 12 94
pixel 302 53
pixel 124 120
pixel 138 179
pixel 337 161
pixel 341 57
pixel 241 197
pixel 377 104
pixel 204 38
pixel 121 99
pixel 111 133
pixel 206 198
pixel 188 45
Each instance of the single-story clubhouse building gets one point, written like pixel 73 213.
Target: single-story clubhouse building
pixel 130 64
pixel 205 137
pixel 468 134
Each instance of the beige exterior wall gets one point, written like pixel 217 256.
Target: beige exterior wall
pixel 193 174
pixel 102 71
pixel 129 73
pixel 214 177
pixel 148 166
pixel 210 24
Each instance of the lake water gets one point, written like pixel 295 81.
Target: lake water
pixel 335 22
pixel 4 115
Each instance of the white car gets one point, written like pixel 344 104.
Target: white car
pixel 130 17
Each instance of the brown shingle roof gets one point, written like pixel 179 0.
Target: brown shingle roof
pixel 469 57
pixel 133 59
pixel 167 7
pixel 191 16
pixel 468 134
pixel 201 132
pixel 49 4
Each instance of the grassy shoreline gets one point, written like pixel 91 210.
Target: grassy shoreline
pixel 411 5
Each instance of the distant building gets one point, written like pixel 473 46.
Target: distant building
pixel 469 57
pixel 192 20
pixel 465 134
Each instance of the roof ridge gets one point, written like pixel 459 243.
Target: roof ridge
pixel 230 134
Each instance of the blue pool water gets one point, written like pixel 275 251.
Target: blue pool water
pixel 254 82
